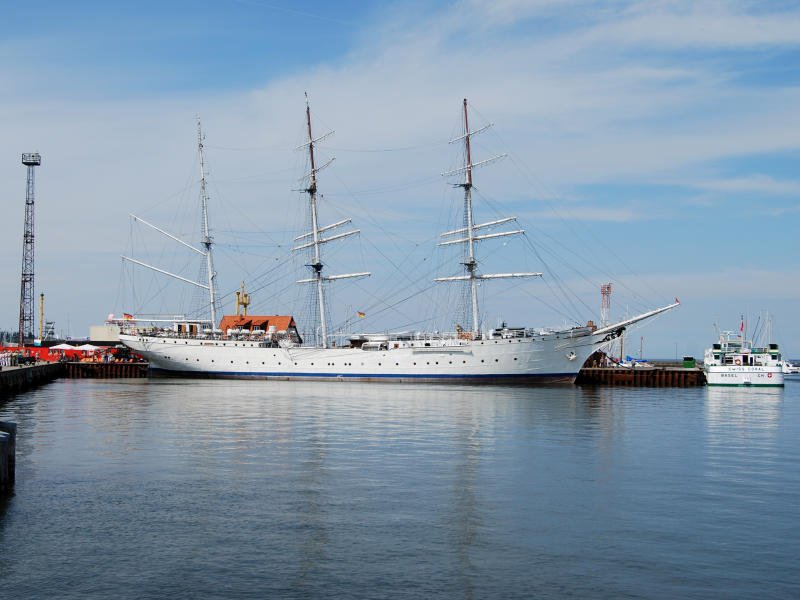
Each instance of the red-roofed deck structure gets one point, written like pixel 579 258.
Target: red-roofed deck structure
pixel 260 322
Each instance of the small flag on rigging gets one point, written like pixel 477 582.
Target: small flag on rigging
pixel 360 314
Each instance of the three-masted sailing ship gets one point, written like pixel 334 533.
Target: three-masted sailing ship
pixel 270 347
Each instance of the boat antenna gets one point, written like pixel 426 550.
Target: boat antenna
pixel 208 241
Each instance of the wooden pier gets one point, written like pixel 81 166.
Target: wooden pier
pixel 642 376
pixel 105 370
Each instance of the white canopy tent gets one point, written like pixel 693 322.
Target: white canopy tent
pixel 88 348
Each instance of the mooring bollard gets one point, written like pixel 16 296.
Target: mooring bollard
pixel 8 458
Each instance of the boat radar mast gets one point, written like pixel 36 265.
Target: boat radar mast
pixel 318 279
pixel 467 234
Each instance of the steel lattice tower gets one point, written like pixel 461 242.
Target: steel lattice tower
pixel 30 160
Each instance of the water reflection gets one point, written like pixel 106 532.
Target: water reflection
pixel 467 512
pixel 5 501
pixel 747 410
pixel 360 490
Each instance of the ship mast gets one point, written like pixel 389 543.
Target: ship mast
pixel 318 279
pixel 312 200
pixel 468 234
pixel 470 264
pixel 207 241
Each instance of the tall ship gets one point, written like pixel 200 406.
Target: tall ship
pixel 736 361
pixel 270 347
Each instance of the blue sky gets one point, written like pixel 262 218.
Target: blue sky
pixel 652 144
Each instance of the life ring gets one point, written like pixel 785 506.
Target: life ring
pixel 738 362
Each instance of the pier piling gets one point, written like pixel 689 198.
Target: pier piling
pixel 8 456
pixel 642 376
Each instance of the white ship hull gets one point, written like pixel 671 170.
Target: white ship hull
pixel 552 358
pixel 744 375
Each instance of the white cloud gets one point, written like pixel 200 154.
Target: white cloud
pixel 580 105
pixel 755 183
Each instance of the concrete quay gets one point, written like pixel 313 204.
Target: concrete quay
pixel 20 378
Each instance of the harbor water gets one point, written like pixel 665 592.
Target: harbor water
pixel 171 488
